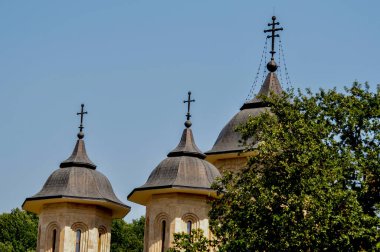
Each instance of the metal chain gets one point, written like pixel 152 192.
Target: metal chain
pixel 265 69
pixel 254 84
pixel 279 64
pixel 287 77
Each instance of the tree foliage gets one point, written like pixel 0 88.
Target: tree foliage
pixel 127 236
pixel 314 181
pixel 193 242
pixel 18 231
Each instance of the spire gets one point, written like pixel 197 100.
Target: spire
pixel 187 146
pixel 271 83
pixel 79 156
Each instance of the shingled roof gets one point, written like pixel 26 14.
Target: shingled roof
pixel 77 181
pixel 228 140
pixel 184 170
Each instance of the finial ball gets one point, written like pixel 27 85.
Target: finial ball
pixel 272 66
pixel 80 135
pixel 274 18
pixel 188 124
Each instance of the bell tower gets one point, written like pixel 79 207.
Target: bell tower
pixel 76 205
pixel 176 193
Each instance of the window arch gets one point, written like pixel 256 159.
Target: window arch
pixel 161 232
pixel 81 236
pixel 52 237
pixel 102 239
pixel 191 221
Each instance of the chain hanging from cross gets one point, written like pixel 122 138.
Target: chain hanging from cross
pixel 274 35
pixel 188 115
pixel 81 113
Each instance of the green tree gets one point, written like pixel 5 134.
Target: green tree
pixel 127 236
pixel 314 181
pixel 18 231
pixel 193 242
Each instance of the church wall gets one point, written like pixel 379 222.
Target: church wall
pixel 176 209
pixel 230 164
pixel 93 221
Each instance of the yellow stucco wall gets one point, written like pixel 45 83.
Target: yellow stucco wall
pixel 66 218
pixel 176 209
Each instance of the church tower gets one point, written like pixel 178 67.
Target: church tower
pixel 176 193
pixel 76 206
pixel 227 153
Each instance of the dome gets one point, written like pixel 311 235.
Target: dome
pixel 228 140
pixel 184 171
pixel 77 181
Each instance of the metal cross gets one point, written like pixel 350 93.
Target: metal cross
pixel 273 31
pixel 188 105
pixel 81 113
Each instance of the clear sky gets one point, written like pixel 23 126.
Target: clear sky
pixel 132 62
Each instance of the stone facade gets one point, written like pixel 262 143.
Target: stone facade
pixel 171 213
pixel 230 164
pixel 62 222
pixel 75 206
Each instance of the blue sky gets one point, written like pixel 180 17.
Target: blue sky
pixel 132 62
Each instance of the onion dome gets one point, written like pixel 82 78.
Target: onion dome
pixel 184 171
pixel 229 141
pixel 77 181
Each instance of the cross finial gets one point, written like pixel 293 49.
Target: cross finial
pixel 274 35
pixel 81 113
pixel 188 115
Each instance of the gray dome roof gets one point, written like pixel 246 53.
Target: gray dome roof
pixel 76 180
pixel 228 140
pixel 184 170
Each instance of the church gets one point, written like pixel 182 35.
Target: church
pixel 76 204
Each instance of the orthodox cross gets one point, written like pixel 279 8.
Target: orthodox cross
pixel 81 113
pixel 273 31
pixel 188 105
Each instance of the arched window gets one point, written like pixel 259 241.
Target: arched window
pixel 161 231
pixel 191 222
pixel 78 240
pixel 102 239
pixel 163 234
pixel 52 237
pixel 54 240
pixel 189 226
pixel 80 234
pixel 100 242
